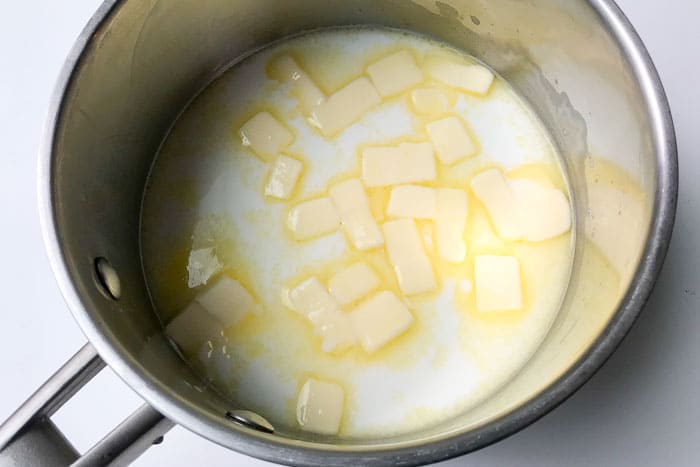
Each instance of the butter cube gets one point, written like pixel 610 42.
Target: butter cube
pixel 406 254
pixel 429 102
pixel 352 204
pixel 393 74
pixel 345 106
pixel 451 140
pixel 265 135
pixel 283 178
pixel 414 201
pixel 394 165
pixel 497 283
pixel 380 319
pixel 474 79
pixel 193 327
pixel 544 212
pixel 450 223
pixel 352 283
pixel 286 69
pixel 495 193
pixel 227 300
pixel 320 407
pixel 313 218
pixel 202 264
pixel 312 300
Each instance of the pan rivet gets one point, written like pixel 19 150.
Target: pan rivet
pixel 107 279
pixel 250 419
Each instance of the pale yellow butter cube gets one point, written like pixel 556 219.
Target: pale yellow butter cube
pixel 413 201
pixel 450 223
pixel 312 300
pixel 352 204
pixel 429 102
pixel 493 190
pixel 394 165
pixel 407 255
pixel 283 177
pixel 451 140
pixel 336 331
pixel 544 212
pixel 313 218
pixel 265 135
pixel 345 106
pixel 475 79
pixel 202 265
pixel 380 319
pixel 193 327
pixel 353 283
pixel 394 74
pixel 497 283
pixel 286 69
pixel 320 407
pixel 227 300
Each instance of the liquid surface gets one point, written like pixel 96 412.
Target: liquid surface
pixel 207 190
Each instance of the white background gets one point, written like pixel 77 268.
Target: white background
pixel 642 408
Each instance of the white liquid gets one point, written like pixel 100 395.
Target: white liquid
pixel 206 189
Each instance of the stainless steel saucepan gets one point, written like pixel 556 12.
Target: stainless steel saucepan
pixel 138 64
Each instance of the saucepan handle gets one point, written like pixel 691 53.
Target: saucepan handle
pixel 30 438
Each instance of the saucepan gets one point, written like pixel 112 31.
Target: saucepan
pixel 136 66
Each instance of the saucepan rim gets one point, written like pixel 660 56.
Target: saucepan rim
pixel 277 449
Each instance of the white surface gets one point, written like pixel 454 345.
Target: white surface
pixel 640 409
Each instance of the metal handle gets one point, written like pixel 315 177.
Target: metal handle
pixel 29 437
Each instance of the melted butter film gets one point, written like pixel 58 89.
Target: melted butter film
pixel 207 191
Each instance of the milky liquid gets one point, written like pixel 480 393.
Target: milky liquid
pixel 206 189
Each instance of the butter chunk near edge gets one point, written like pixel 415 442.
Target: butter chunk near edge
pixel 493 190
pixel 394 165
pixel 283 177
pixel 407 255
pixel 380 319
pixel 353 283
pixel 498 286
pixel 450 223
pixel 193 327
pixel 265 135
pixel 412 201
pixel 227 300
pixel 285 68
pixel 202 265
pixel 313 218
pixel 352 204
pixel 320 407
pixel 431 102
pixel 393 74
pixel 451 140
pixel 474 78
pixel 345 106
pixel 544 211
